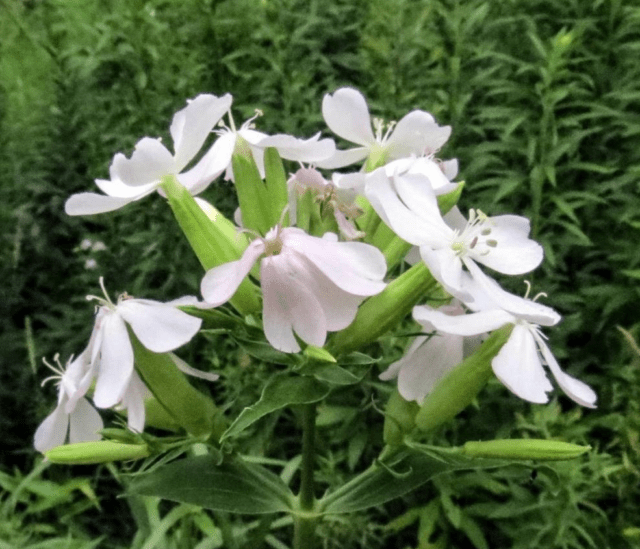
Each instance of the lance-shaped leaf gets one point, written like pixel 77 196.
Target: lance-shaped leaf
pixel 233 486
pixel 277 394
pixel 210 240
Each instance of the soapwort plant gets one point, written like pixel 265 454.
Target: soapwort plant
pixel 310 275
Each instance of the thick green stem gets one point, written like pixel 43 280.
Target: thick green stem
pixel 304 526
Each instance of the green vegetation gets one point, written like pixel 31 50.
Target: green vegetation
pixel 544 100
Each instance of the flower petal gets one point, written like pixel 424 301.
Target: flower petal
pixel 92 203
pixel 417 133
pixel 347 115
pixel 463 325
pixel 446 267
pixel 84 423
pixel 518 366
pixel 158 326
pixel 301 150
pixel 220 283
pixel 192 125
pixel 52 431
pixel 339 159
pixel 289 306
pixel 184 367
pixel 116 362
pixel 576 390
pixel 149 162
pixel 133 402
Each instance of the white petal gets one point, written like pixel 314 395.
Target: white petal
pixel 117 188
pixel 192 125
pixel 450 168
pixel 417 133
pixel 301 150
pixel 133 401
pixel 428 364
pixel 416 191
pixel 575 389
pixel 347 115
pixel 211 165
pixel 518 366
pixel 220 283
pixel 439 182
pixel 116 362
pixel 446 267
pixel 522 308
pixel 159 327
pixel 514 253
pixel 52 431
pixel 85 422
pixel 92 203
pixel 184 367
pixel 464 325
pixel 339 159
pixel 149 162
pixel 289 306
pixel 354 267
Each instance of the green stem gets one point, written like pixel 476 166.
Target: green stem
pixel 304 526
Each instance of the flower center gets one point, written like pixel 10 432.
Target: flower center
pixel 474 237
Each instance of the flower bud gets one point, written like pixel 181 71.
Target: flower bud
pixel 211 241
pixel 96 452
pixel 528 448
pixel 460 386
pixel 381 312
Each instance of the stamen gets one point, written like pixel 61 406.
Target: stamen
pixel 541 294
pixel 526 295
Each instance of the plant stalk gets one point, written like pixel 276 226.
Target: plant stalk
pixel 304 526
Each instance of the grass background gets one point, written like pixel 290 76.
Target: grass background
pixel 544 100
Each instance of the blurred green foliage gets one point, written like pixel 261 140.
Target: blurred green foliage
pixel 544 100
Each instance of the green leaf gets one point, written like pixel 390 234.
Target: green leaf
pixel 334 374
pixel 280 392
pixel 265 352
pixel 234 486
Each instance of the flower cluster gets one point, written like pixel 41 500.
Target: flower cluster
pixel 313 272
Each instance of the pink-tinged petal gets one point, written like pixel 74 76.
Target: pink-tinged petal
pixel 149 162
pixel 514 253
pixel 289 306
pixel 463 325
pixel 159 327
pixel 446 267
pixel 417 133
pixel 211 165
pixel 84 423
pixel 192 125
pixel 340 159
pixel 347 115
pixel 347 229
pixel 518 366
pixel 184 367
pixel 92 203
pixel 428 364
pixel 522 308
pixel 300 150
pixel 220 283
pixel 355 267
pixel 118 189
pixel 576 390
pixel 116 362
pixel 52 431
pixel 339 307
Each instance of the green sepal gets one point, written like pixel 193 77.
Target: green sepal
pixel 212 241
pixel 318 353
pixel 528 448
pixel 380 313
pixel 461 385
pixel 399 419
pixel 190 409
pixel 100 451
pixel 255 202
pixel 233 486
pixel 276 182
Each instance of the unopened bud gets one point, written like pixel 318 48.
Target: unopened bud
pixel 528 448
pixel 100 451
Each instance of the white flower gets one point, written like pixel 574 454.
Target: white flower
pixel 310 285
pixel 347 115
pixel 218 158
pixel 408 205
pixel 136 177
pixel 73 418
pixel 160 327
pixel 429 358
pixel 519 364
